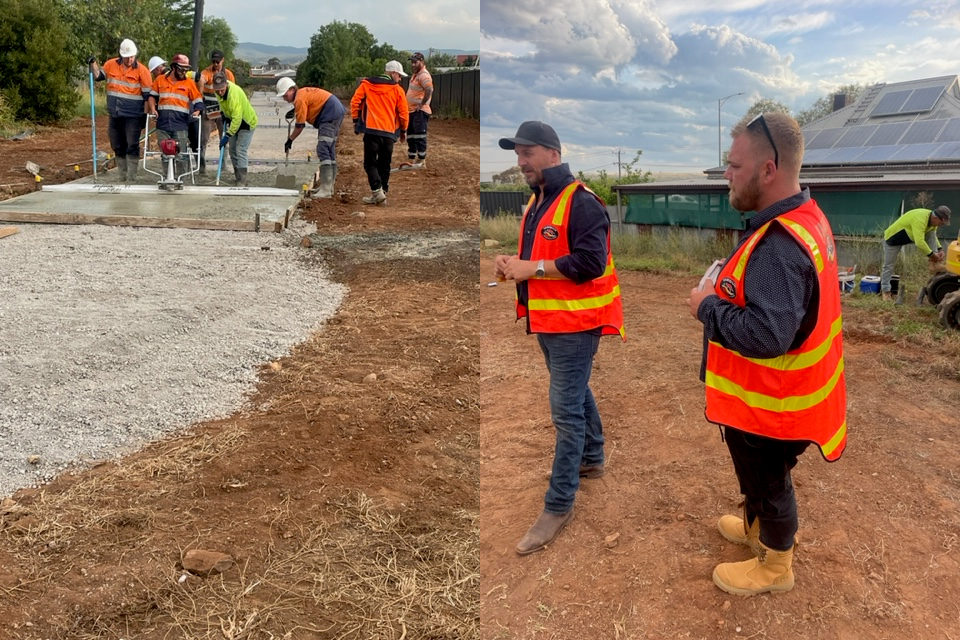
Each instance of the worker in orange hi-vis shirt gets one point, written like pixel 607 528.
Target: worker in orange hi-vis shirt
pixel 211 108
pixel 419 94
pixel 324 111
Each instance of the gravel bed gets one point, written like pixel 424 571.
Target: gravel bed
pixel 111 337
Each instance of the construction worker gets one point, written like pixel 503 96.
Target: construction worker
pixel 325 112
pixel 128 93
pixel 568 291
pixel 178 104
pixel 211 114
pixel 773 348
pixel 419 94
pixel 917 226
pixel 379 112
pixel 239 122
pixel 157 66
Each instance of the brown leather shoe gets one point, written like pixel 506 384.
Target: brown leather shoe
pixel 592 472
pixel 544 531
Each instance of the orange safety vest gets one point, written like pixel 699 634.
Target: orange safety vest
pixel 127 87
pixel 802 394
pixel 559 305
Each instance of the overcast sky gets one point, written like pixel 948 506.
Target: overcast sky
pixel 641 74
pixel 441 24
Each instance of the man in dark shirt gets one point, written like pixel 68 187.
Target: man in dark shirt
pixel 563 269
pixel 758 329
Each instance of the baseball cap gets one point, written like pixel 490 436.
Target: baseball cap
pixel 943 212
pixel 533 132
pixel 219 81
pixel 416 57
pixel 216 55
pixel 395 66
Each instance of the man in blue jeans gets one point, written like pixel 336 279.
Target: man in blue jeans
pixel 567 289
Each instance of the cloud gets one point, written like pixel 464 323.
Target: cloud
pixel 588 35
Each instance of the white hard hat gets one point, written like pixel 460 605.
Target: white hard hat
pixel 395 67
pixel 283 85
pixel 127 48
pixel 155 62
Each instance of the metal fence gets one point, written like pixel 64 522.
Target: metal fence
pixel 457 89
pixel 493 203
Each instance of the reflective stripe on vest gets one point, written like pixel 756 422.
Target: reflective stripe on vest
pixel 800 395
pixel 559 305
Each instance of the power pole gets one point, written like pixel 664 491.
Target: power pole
pixel 619 166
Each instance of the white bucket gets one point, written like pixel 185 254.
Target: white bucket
pixel 846 282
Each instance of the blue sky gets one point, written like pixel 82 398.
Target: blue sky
pixel 641 74
pixel 441 24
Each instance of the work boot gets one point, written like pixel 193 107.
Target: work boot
pixel 203 165
pixel 732 528
pixel 132 171
pixel 588 472
pixel 325 188
pixel 421 163
pixel 544 531
pixel 375 197
pixel 770 571
pixel 121 169
pixel 887 296
pixel 241 177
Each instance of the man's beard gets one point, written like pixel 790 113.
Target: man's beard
pixel 747 197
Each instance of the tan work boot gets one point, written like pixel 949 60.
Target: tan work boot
pixel 733 529
pixel 770 571
pixel 544 531
pixel 375 197
pixel 887 296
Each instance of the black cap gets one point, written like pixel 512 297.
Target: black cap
pixel 943 212
pixel 417 56
pixel 533 132
pixel 216 55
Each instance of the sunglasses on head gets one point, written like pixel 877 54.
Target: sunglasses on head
pixel 766 130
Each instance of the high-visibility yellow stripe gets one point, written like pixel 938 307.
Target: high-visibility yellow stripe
pixel 797 361
pixel 831 445
pixel 742 262
pixel 581 304
pixel 771 403
pixel 809 240
pixel 562 203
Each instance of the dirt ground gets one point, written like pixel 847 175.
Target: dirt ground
pixel 348 504
pixel 878 529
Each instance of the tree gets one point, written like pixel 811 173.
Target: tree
pixel 273 63
pixel 468 61
pixel 824 106
pixel 513 175
pixel 629 173
pixel 341 52
pixel 35 67
pixel 442 60
pixel 241 71
pixel 765 105
pixel 215 34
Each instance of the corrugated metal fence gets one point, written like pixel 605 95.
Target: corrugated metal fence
pixel 493 203
pixel 457 89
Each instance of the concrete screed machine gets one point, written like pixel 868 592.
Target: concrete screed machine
pixel 943 289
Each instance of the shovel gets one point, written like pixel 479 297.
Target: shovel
pixel 220 166
pixel 285 179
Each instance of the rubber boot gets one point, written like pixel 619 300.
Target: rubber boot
pixel 325 188
pixel 771 571
pixel 132 171
pixel 203 165
pixel 121 169
pixel 241 177
pixel 375 197
pixel 732 528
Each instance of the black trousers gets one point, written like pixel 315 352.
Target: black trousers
pixel 124 136
pixel 377 157
pixel 763 468
pixel 417 135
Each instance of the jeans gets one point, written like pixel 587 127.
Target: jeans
pixel 890 254
pixel 377 156
pixel 763 468
pixel 327 133
pixel 417 135
pixel 207 125
pixel 569 358
pixel 239 145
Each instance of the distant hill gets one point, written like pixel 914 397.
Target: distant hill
pixel 256 53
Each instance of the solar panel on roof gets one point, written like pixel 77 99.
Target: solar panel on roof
pixel 888 134
pixel 891 103
pixel 878 154
pixel 842 155
pixel 816 156
pixel 856 136
pixel 947 151
pixel 826 138
pixel 951 132
pixel 922 100
pixel 924 131
pixel 915 152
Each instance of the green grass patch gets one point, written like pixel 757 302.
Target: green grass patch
pixel 83 104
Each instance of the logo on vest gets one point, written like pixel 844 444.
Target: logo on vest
pixel 550 233
pixel 728 286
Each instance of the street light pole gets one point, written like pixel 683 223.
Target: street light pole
pixel 720 127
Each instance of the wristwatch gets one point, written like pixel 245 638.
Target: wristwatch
pixel 540 270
